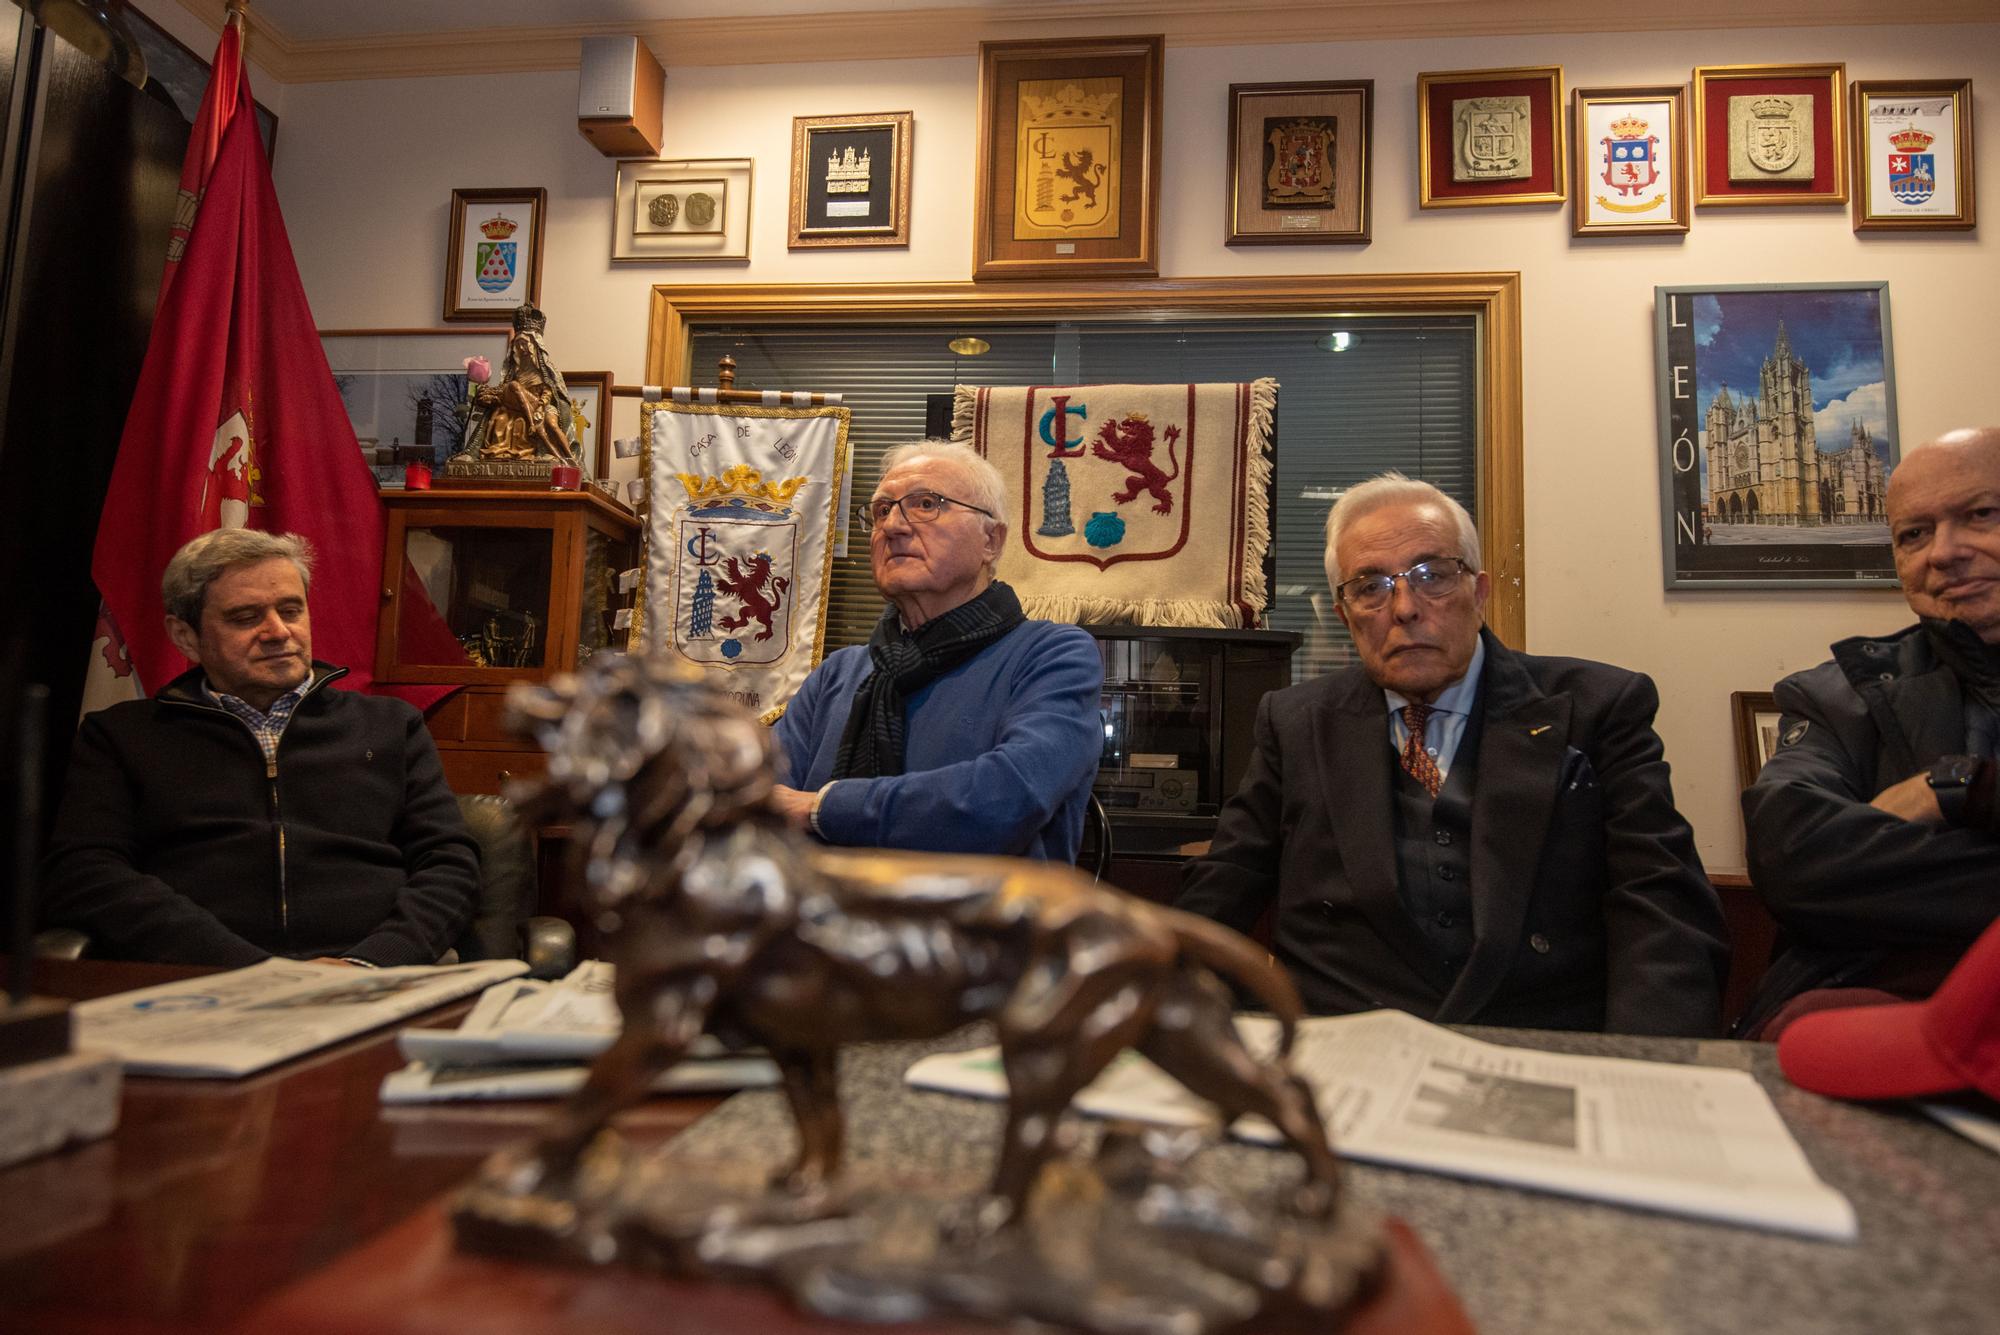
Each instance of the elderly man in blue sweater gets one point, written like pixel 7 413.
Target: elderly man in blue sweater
pixel 961 726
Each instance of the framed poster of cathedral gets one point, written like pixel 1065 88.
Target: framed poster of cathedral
pixel 1067 173
pixel 1777 435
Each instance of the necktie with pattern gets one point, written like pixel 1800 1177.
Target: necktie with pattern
pixel 1417 761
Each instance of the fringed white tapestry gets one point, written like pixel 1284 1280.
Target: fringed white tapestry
pixel 1142 503
pixel 745 516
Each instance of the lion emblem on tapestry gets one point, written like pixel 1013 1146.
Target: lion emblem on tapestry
pixel 1145 503
pixel 744 524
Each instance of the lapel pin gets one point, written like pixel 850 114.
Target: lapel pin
pixel 1536 732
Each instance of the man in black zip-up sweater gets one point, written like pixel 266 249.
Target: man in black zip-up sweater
pixel 250 808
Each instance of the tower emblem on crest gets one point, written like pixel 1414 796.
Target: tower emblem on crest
pixel 1630 162
pixel 1067 151
pixel 1912 171
pixel 497 256
pixel 733 578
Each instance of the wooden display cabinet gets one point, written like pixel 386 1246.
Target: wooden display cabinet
pixel 526 583
pixel 1179 711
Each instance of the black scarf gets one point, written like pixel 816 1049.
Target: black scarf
pixel 872 745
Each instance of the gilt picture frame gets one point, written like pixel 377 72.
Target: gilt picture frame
pixel 1067 167
pixel 1299 157
pixel 851 180
pixel 1770 135
pixel 1913 155
pixel 590 402
pixel 1756 715
pixel 1631 158
pixel 1491 137
pixel 493 252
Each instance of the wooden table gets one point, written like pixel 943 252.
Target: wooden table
pixel 213 1194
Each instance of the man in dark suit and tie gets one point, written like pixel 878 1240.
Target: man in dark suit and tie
pixel 1457 830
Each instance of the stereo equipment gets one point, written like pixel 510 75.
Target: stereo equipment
pixel 621 92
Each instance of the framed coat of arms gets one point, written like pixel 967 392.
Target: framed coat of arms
pixel 1913 155
pixel 1299 161
pixel 1770 134
pixel 1490 137
pixel 493 254
pixel 1631 161
pixel 1068 179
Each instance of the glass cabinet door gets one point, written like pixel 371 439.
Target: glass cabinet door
pixel 1156 714
pixel 490 585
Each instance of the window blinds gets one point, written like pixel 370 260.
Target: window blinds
pixel 1399 393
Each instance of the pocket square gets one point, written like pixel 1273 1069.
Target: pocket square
pixel 1577 771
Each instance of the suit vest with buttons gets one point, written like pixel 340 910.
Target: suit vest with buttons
pixel 1434 848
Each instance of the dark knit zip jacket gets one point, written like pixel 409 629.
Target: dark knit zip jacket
pixel 175 841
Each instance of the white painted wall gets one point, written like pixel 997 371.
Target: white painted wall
pixel 365 172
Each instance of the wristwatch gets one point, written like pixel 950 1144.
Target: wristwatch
pixel 1950 780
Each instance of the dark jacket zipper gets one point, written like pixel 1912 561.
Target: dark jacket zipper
pixel 271 777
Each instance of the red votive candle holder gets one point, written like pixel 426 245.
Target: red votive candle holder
pixel 417 477
pixel 565 477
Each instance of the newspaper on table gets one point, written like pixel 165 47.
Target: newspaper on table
pixel 1691 1140
pixel 526 1040
pixel 230 1024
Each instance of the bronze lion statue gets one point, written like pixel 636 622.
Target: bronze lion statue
pixel 722 920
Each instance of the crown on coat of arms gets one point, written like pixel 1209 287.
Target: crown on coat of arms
pixel 1911 140
pixel 1771 109
pixel 1071 103
pixel 740 486
pixel 499 229
pixel 1628 127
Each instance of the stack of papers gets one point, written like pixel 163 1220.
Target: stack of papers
pixel 534 1040
pixel 1393 1089
pixel 229 1024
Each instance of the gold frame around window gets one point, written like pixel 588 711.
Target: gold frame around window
pixel 1493 297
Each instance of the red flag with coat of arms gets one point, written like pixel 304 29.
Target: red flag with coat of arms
pixel 236 421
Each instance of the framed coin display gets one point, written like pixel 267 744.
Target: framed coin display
pixel 688 209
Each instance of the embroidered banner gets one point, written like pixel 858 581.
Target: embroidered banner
pixel 744 518
pixel 1142 503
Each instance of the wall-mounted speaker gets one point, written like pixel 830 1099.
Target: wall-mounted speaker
pixel 620 93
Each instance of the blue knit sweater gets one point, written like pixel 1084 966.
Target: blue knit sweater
pixel 1001 750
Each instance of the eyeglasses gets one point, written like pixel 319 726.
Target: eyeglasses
pixel 1433 579
pixel 918 507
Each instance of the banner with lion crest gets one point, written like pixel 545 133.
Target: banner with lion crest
pixel 1141 503
pixel 744 519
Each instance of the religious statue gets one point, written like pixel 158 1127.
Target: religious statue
pixel 527 416
pixel 722 921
